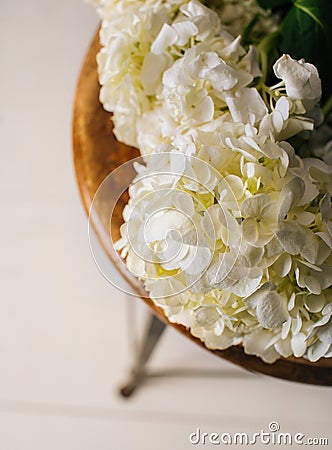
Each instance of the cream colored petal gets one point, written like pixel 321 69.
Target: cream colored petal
pixel 291 237
pixel 318 350
pixel 298 344
pixel 184 30
pixel 284 348
pixel 253 206
pixel 315 303
pixel 290 195
pixel 250 230
pixel 271 310
pixel 165 38
pixel 283 265
pixel 204 110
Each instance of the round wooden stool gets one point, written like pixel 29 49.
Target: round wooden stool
pixel 96 154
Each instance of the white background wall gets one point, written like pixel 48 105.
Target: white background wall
pixel 64 346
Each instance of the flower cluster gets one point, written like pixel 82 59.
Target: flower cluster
pixel 228 228
pixel 142 39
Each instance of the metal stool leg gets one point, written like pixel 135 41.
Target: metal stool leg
pixel 153 333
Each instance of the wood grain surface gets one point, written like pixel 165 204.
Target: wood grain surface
pixel 96 154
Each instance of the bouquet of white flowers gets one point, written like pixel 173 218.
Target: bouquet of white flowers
pixel 229 219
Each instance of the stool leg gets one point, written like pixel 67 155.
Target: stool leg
pixel 153 333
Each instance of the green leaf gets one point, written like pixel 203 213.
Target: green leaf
pixel 267 51
pixel 271 4
pixel 306 32
pixel 246 40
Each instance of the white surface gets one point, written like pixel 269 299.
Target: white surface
pixel 63 330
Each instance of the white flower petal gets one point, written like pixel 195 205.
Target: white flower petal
pixel 305 217
pixel 299 344
pixel 301 78
pixel 271 310
pixel 255 344
pixel 259 294
pixel 151 73
pixel 286 328
pixel 171 75
pixel 251 256
pixel 197 260
pixel 222 77
pixel 245 286
pixel 291 303
pixel 318 350
pixel 250 230
pixel 206 316
pixel 315 303
pixel 310 248
pixel 282 265
pixel 165 38
pixel 218 223
pixel 204 110
pixel 251 60
pixel 135 264
pixel 253 206
pixel 184 30
pixel 225 340
pixel 296 325
pixel 291 237
pixel 184 202
pixel 244 103
pixel 284 348
pixel 290 196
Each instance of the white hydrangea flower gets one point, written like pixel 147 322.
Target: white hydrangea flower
pixel 260 219
pixel 128 72
pixel 322 333
pixel 195 82
pixel 142 42
pixel 205 19
pixel 301 80
pixel 281 123
pixel 235 16
pixel 246 106
pixel 213 275
pixel 230 231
